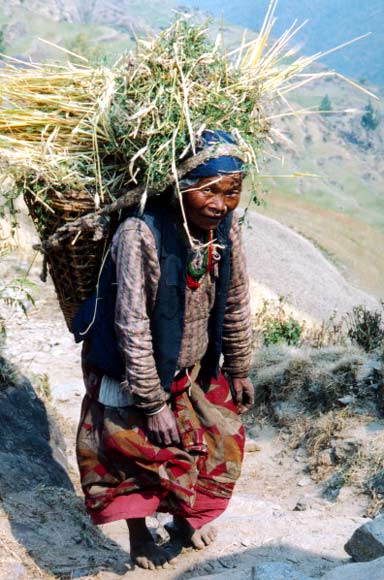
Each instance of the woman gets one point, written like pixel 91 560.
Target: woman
pixel 166 436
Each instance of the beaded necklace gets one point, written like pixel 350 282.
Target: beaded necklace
pixel 201 263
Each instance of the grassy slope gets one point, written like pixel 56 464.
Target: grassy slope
pixel 342 209
pixel 32 26
pixel 112 31
pixel 355 248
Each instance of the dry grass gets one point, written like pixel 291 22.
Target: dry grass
pixel 327 400
pixel 9 376
pixel 318 379
pixel 41 385
pixel 14 554
pixel 76 127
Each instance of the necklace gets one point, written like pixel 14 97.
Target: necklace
pixel 200 263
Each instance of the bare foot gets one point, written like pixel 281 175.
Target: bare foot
pixel 198 538
pixel 144 551
pixel 149 556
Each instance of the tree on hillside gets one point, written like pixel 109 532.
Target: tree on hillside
pixel 83 45
pixel 325 105
pixel 370 120
pixel 2 41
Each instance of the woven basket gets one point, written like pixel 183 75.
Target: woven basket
pixel 75 265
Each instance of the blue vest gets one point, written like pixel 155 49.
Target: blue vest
pixel 167 318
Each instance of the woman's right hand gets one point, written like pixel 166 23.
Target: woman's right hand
pixel 162 428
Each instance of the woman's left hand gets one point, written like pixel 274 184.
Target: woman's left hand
pixel 244 393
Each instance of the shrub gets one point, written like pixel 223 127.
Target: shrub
pixel 370 120
pixel 366 328
pixel 14 294
pixel 277 331
pixel 274 324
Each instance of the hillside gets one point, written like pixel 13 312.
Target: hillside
pixel 100 30
pixel 317 424
pixel 331 23
pixel 341 209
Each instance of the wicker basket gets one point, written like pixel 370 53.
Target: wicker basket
pixel 75 265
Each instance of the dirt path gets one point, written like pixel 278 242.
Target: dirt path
pixel 276 515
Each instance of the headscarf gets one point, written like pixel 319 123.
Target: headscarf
pixel 217 165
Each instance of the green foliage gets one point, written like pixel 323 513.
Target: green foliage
pixel 326 104
pixel 366 328
pixel 370 120
pixel 14 294
pixel 274 324
pixel 8 374
pixel 374 485
pixel 182 61
pixel 8 196
pixel 278 331
pixel 83 45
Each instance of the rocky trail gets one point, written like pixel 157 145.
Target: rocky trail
pixel 278 525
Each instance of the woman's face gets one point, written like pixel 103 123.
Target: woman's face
pixel 209 201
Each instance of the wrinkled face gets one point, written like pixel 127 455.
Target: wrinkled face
pixel 209 201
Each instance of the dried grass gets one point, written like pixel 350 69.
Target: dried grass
pixel 9 376
pixel 318 380
pixel 328 401
pixel 75 127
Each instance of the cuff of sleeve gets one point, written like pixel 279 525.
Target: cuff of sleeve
pixel 151 407
pixel 153 413
pixel 237 373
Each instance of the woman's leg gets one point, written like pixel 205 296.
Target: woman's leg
pixel 220 429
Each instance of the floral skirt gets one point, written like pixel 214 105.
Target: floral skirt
pixel 124 475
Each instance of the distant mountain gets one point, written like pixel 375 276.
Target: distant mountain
pixel 108 26
pixel 331 23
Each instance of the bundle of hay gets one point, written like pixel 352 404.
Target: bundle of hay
pixel 79 139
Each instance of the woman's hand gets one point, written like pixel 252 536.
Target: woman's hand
pixel 244 393
pixel 162 428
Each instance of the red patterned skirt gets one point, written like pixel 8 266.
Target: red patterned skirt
pixel 124 475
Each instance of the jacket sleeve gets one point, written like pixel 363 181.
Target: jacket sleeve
pixel 137 273
pixel 237 330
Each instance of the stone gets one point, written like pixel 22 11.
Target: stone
pixel 304 482
pixel 266 571
pixel 343 450
pixel 251 446
pixel 32 447
pixel 324 458
pixel 302 504
pixel 14 571
pixel 367 542
pixel 363 571
pixel 38 499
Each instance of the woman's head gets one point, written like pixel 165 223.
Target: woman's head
pixel 209 199
pixel 212 189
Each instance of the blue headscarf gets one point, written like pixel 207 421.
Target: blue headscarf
pixel 217 165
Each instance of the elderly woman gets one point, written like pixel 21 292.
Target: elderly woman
pixel 166 436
